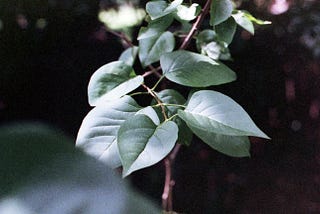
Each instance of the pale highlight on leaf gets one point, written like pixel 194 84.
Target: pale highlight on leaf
pixel 112 81
pixel 158 9
pixel 98 132
pixel 220 114
pixel 152 48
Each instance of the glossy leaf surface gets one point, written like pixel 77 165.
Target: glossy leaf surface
pixel 152 48
pixel 220 11
pixel 157 9
pixel 191 69
pixel 211 110
pixel 112 81
pixel 98 132
pixel 142 143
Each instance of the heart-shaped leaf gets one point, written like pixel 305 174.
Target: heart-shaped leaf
pixel 142 143
pixel 191 69
pixel 220 11
pixel 98 132
pixel 151 48
pixel 112 81
pixel 211 110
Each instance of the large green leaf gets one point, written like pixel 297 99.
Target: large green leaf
pixel 129 55
pixel 155 27
pixel 157 9
pixel 220 11
pixel 244 21
pixel 211 110
pixel 151 48
pixel 112 81
pixel 235 146
pixel 196 70
pixel 98 132
pixel 171 96
pixel 226 30
pixel 142 143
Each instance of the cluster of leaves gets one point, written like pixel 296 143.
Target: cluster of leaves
pixel 119 132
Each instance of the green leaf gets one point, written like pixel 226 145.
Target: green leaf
pixel 226 30
pixel 185 13
pixel 112 81
pixel 151 48
pixel 142 143
pixel 171 96
pixel 155 27
pixel 205 37
pixel 235 146
pixel 243 21
pixel 185 134
pixel 151 113
pixel 220 11
pixel 191 69
pixel 211 110
pixel 157 9
pixel 129 55
pixel 98 132
pixel 212 50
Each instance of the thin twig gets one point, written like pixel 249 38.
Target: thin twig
pixel 196 25
pixel 151 92
pixel 121 36
pixel 153 70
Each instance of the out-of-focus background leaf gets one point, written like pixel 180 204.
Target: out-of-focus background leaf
pixel 42 172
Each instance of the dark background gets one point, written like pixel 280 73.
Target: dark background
pixel 44 72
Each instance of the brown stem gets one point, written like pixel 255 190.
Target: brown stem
pixel 163 110
pixel 153 70
pixel 169 181
pixel 121 36
pixel 169 160
pixel 196 25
